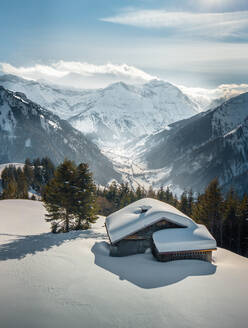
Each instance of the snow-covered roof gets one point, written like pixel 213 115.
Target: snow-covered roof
pixel 141 214
pixel 185 239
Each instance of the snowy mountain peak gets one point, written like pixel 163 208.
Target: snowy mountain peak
pixel 118 113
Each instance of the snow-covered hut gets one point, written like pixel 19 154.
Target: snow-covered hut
pixel 150 223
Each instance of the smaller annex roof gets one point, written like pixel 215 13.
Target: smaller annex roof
pixel 142 214
pixel 189 239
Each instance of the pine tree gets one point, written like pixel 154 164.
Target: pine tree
pixel 183 205
pixel 58 197
pixel 124 195
pixel 186 203
pixel 230 221
pixel 174 202
pixel 28 172
pixel 84 197
pixel 47 169
pixel 168 197
pixel 208 209
pixel 104 206
pixel 8 174
pixel 243 226
pixel 140 193
pixel 161 194
pixel 22 185
pixel 10 190
pixel 112 195
pixel 151 193
pixel 190 203
pixel 70 198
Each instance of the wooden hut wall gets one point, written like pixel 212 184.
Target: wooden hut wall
pixel 139 241
pixel 204 255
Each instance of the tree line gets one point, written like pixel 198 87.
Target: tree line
pixel 35 174
pixel 73 200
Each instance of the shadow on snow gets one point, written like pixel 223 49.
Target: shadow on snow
pixel 141 270
pixel 145 271
pixel 31 244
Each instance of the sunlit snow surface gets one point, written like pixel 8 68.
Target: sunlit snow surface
pixel 69 280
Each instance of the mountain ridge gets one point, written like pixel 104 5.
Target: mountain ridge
pixel 120 112
pixel 28 130
pixel 208 145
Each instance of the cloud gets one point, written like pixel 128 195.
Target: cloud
pixel 86 75
pixel 211 25
pixel 79 74
pixel 207 97
pixel 33 72
pixel 87 69
pixel 232 90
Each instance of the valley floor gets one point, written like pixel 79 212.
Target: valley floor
pixel 69 280
pixel 133 171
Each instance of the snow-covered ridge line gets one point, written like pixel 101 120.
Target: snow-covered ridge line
pixel 118 112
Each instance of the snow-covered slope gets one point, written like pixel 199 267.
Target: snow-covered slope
pixel 125 112
pixel 57 99
pixel 28 130
pixel 69 280
pixel 208 145
pixel 115 114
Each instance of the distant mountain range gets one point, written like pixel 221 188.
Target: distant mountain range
pixel 28 130
pixel 115 114
pixel 153 133
pixel 196 150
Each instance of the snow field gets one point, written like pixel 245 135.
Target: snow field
pixel 69 280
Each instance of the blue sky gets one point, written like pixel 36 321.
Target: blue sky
pixel 192 42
